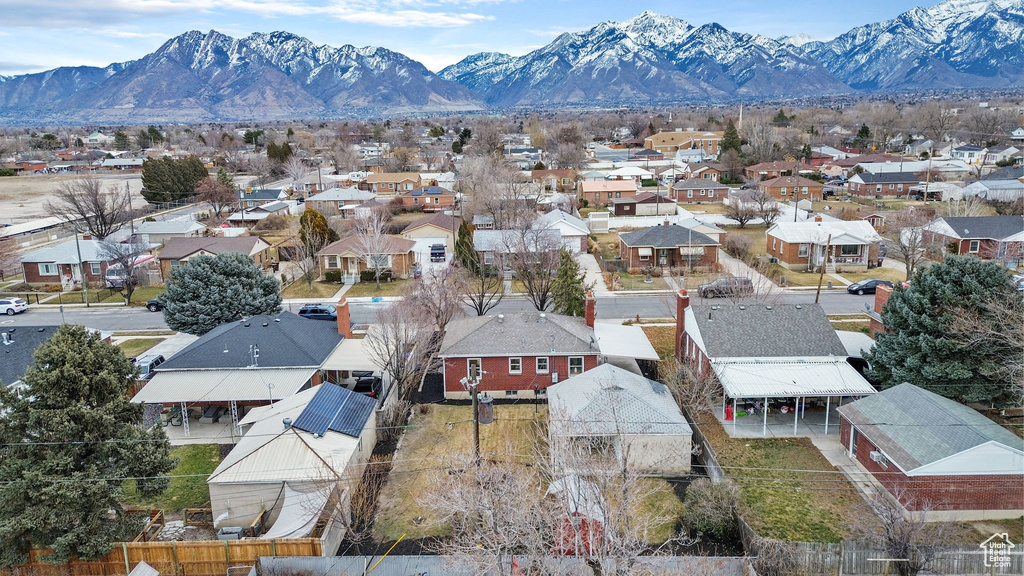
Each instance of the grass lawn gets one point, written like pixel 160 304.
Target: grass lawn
pixel 755 232
pixel 320 289
pixel 890 274
pixel 431 438
pixel 107 296
pixel 636 282
pixel 705 208
pixel 195 463
pixel 609 243
pixel 136 346
pixel 663 339
pixel 789 490
pixel 370 289
pixel 851 323
pixel 663 502
pixel 795 278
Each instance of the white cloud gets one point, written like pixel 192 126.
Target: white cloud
pixel 407 18
pixel 552 32
pixel 129 34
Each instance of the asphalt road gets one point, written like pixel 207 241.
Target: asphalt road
pixel 653 306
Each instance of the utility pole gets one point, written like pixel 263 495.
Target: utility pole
pixel 824 263
pixel 81 269
pixel 131 212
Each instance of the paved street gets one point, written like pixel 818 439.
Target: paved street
pixel 362 312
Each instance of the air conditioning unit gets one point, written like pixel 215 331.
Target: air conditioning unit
pixel 554 377
pixel 876 456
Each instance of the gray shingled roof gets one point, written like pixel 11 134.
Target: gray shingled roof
pixel 669 236
pixel 284 340
pixel 985 226
pixel 16 357
pixel 915 427
pixel 518 334
pixel 762 331
pixel 67 253
pixel 177 248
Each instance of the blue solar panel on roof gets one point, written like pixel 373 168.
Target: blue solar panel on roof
pixel 417 193
pixel 338 409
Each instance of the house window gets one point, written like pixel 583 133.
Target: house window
pixel 47 269
pixel 689 193
pixel 511 392
pixel 900 187
pixel 783 193
pixel 711 193
pixel 850 250
pixel 488 258
pixel 575 365
pixel 774 240
pixel 95 269
pixel 618 194
pixel 542 365
pixel 437 200
pixel 802 251
pixel 175 263
pixel 974 246
pixel 473 367
pixel 515 365
pixel 702 192
pixel 609 195
pixel 805 190
pixel 892 186
pixel 378 261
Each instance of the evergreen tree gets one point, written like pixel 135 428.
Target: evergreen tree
pixel 154 135
pixel 731 138
pixel 806 151
pixel 781 119
pixel 465 254
pixel 212 290
pixel 121 141
pixel 920 348
pixel 170 180
pixel 863 137
pixel 539 166
pixel 68 440
pixel 569 289
pixel 314 232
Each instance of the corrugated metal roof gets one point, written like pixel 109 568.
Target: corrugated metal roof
pixel 827 377
pixel 240 384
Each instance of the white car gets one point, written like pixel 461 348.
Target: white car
pixel 12 306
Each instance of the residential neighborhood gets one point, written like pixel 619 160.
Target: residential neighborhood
pixel 531 344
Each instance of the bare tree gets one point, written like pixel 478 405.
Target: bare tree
pixel 762 139
pixel 886 120
pixel 741 211
pixel 912 245
pixel 481 289
pixel 372 243
pixel 438 295
pixel 487 139
pixel 984 126
pixel 296 170
pixel 402 342
pixel 693 388
pixel 10 258
pixel 997 324
pixel 533 255
pixel 966 206
pixel 937 119
pixel 343 156
pixel 260 166
pixel 84 201
pixel 909 538
pixel 218 194
pixel 765 206
pixel 123 271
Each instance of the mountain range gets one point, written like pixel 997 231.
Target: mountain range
pixel 649 59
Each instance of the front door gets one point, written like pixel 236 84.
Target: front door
pixel 662 257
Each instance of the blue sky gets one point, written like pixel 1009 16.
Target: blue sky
pixel 42 34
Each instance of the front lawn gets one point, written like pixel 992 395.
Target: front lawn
pixel 188 487
pixel 134 347
pixel 300 289
pixel 663 339
pixel 369 289
pixel 789 490
pixel 631 282
pixel 891 274
pixel 435 433
pixel 753 232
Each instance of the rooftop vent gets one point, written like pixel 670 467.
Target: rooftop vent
pixel 767 307
pixel 501 317
pixel 287 423
pixel 542 318
pixel 265 324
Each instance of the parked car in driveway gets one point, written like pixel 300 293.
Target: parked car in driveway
pixel 724 287
pixel 867 286
pixel 319 311
pixel 12 306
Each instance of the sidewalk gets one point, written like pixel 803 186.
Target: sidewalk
pixel 833 451
pixel 593 275
pixel 736 267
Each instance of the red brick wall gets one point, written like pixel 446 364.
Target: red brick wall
pixel 32 275
pixel 632 257
pixel 497 377
pixel 1003 492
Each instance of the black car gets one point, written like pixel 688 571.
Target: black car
pixel 154 305
pixel 319 311
pixel 867 286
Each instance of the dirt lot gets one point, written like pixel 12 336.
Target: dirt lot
pixel 23 198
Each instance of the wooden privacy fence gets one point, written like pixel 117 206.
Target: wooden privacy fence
pixel 202 558
pixel 707 456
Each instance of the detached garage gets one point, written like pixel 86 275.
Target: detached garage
pixel 941 454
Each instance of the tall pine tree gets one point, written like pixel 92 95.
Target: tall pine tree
pixel 731 138
pixel 569 290
pixel 465 254
pixel 68 440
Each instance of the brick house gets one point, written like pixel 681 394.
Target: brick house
pixel 704 170
pixel 60 263
pixel 884 184
pixel 428 198
pixel 342 199
pixel 390 184
pixel 178 251
pixel 665 142
pixel 668 245
pixel 940 453
pixel 882 294
pixel 347 257
pixel 801 245
pixel 435 226
pixel 698 190
pixel 602 192
pixel 999 238
pixel 791 188
pixel 643 204
pixel 253 197
pixel 555 180
pixel 519 353
pixel 772 170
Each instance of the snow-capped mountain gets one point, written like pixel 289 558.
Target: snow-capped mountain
pixel 648 58
pixel 797 40
pixel 205 76
pixel 958 43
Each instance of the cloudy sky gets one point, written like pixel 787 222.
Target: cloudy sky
pixel 42 34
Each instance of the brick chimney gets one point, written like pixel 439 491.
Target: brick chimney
pixel 682 303
pixel 882 293
pixel 344 324
pixel 86 236
pixel 589 309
